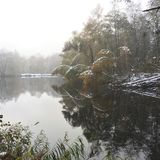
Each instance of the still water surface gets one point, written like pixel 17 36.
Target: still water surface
pixel 33 101
pixel 127 124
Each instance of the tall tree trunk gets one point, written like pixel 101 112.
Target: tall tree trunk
pixel 91 53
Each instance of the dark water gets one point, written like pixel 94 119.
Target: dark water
pixel 126 124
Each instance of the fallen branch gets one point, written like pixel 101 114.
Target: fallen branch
pixel 145 82
pixel 150 9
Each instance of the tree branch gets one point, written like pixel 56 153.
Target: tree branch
pixel 150 9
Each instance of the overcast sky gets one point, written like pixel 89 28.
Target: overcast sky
pixel 42 26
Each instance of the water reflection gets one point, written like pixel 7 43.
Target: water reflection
pixel 12 88
pixel 127 124
pixel 33 101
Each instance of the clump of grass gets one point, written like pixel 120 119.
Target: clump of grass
pixel 63 150
pixel 16 143
pixel 15 140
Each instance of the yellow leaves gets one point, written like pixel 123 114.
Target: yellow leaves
pixel 87 78
pixel 105 52
pixel 94 77
pixel 103 64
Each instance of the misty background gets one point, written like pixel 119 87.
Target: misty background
pixel 43 26
pixel 12 64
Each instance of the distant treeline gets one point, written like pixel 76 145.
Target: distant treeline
pixel 12 64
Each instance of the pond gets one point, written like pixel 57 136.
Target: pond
pixel 127 124
pixel 33 102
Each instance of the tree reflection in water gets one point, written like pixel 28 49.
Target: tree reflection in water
pixel 127 124
pixel 12 87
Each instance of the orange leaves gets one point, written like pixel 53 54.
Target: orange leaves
pixel 94 77
pixel 103 64
pixel 87 78
pixel 105 52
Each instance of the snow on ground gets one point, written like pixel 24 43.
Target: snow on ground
pixel 140 78
pixel 30 75
pixel 146 84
